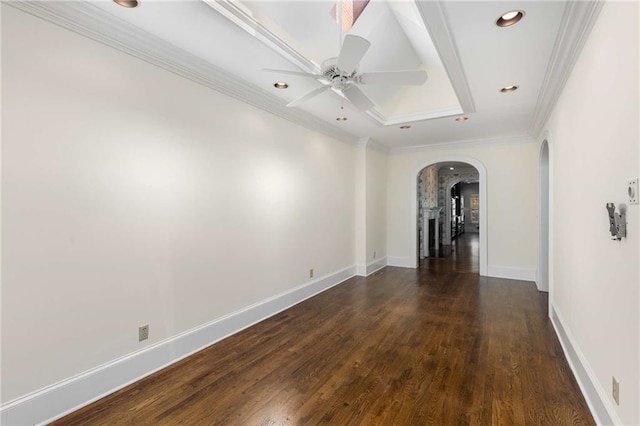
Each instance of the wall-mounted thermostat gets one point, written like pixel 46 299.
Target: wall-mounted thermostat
pixel 632 191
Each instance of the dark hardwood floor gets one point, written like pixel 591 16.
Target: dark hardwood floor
pixel 434 346
pixel 463 255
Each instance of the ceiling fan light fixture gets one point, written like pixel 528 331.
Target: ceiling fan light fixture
pixel 510 18
pixel 509 89
pixel 130 4
pixel 341 118
pixel 461 119
pixel 280 85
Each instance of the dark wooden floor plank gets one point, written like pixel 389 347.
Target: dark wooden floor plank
pixel 437 345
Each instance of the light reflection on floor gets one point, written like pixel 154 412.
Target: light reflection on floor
pixel 463 255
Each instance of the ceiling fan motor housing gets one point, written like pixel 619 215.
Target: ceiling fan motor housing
pixel 338 78
pixel 345 78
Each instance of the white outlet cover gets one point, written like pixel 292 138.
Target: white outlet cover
pixel 632 191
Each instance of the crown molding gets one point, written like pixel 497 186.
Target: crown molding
pixel 368 143
pixel 239 15
pixel 363 141
pixel 577 22
pixel 377 146
pixel 435 21
pixel 90 21
pixel 469 143
pixel 411 118
pixel 435 24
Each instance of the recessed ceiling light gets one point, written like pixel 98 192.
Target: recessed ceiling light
pixel 128 3
pixel 509 89
pixel 341 118
pixel 462 119
pixel 509 18
pixel 405 127
pixel 451 168
pixel 280 85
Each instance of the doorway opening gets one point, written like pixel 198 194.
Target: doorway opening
pixel 542 280
pixel 448 226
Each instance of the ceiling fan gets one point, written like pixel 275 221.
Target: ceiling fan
pixel 342 74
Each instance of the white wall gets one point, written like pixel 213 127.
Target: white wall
pixel 132 196
pixel 371 203
pixel 361 205
pixel 594 140
pixel 376 176
pixel 511 211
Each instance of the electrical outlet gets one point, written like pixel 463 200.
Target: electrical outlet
pixel 311 273
pixel 143 332
pixel 615 390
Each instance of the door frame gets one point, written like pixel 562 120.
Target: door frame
pixel 413 222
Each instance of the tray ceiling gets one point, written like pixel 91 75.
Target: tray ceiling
pixel 224 45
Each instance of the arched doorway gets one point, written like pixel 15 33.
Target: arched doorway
pixel 482 208
pixel 542 280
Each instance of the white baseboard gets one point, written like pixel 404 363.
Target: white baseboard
pixel 55 401
pixel 376 265
pixel 596 397
pixel 512 273
pixel 403 262
pixel 371 267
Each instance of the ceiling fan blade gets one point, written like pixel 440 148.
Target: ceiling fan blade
pixel 358 98
pixel 394 78
pixel 300 74
pixel 353 49
pixel 308 96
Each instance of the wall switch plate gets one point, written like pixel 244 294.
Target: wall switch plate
pixel 632 191
pixel 615 390
pixel 143 332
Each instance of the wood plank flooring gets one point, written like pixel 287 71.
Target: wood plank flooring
pixel 434 346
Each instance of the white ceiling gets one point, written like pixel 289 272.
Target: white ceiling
pixel 399 41
pixel 224 45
